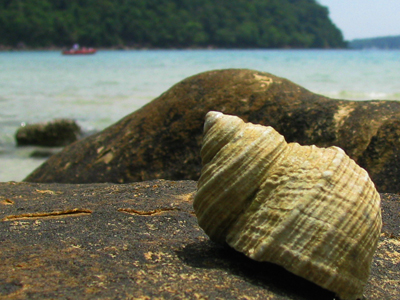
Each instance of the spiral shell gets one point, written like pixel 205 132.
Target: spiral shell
pixel 312 210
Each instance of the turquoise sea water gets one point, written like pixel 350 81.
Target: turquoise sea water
pixel 99 90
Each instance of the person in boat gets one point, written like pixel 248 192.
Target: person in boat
pixel 75 47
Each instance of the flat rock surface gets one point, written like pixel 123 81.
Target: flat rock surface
pixel 142 241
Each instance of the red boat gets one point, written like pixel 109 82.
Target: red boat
pixel 79 51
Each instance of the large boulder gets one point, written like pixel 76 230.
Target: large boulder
pixel 56 133
pixel 142 241
pixel 163 138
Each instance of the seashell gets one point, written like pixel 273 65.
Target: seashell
pixel 312 210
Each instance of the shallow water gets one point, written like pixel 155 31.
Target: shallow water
pixel 100 89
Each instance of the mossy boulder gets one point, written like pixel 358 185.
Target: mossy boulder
pixel 163 138
pixel 56 133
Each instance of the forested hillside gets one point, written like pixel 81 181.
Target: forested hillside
pixel 168 23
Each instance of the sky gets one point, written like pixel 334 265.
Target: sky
pixel 364 18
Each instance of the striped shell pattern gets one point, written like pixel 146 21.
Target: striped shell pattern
pixel 311 210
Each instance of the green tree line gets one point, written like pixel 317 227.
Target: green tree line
pixel 168 23
pixel 386 42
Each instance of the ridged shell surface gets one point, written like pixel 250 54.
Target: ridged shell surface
pixel 312 210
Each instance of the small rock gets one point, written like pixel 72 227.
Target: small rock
pixel 56 133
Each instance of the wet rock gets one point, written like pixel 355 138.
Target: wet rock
pixel 163 139
pixel 56 133
pixel 142 241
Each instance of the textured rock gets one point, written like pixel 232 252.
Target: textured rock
pixel 142 241
pixel 163 139
pixel 56 133
pixel 381 158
